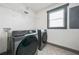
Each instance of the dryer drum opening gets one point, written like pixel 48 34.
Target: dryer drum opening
pixel 28 46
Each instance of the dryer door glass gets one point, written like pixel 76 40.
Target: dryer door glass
pixel 28 46
pixel 44 37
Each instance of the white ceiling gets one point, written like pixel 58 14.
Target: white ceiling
pixel 22 6
pixel 37 6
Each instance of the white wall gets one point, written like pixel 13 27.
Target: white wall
pixel 64 37
pixel 10 18
pixel 14 20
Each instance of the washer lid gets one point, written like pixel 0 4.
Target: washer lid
pixel 19 33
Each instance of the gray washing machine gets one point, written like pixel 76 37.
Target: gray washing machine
pixel 42 38
pixel 24 42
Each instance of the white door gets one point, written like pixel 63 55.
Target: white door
pixel 3 41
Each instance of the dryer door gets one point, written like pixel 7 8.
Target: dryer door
pixel 44 38
pixel 28 46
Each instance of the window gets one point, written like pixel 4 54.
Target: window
pixel 57 18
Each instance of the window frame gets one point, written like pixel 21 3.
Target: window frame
pixel 65 16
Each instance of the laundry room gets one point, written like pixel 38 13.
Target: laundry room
pixel 39 29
